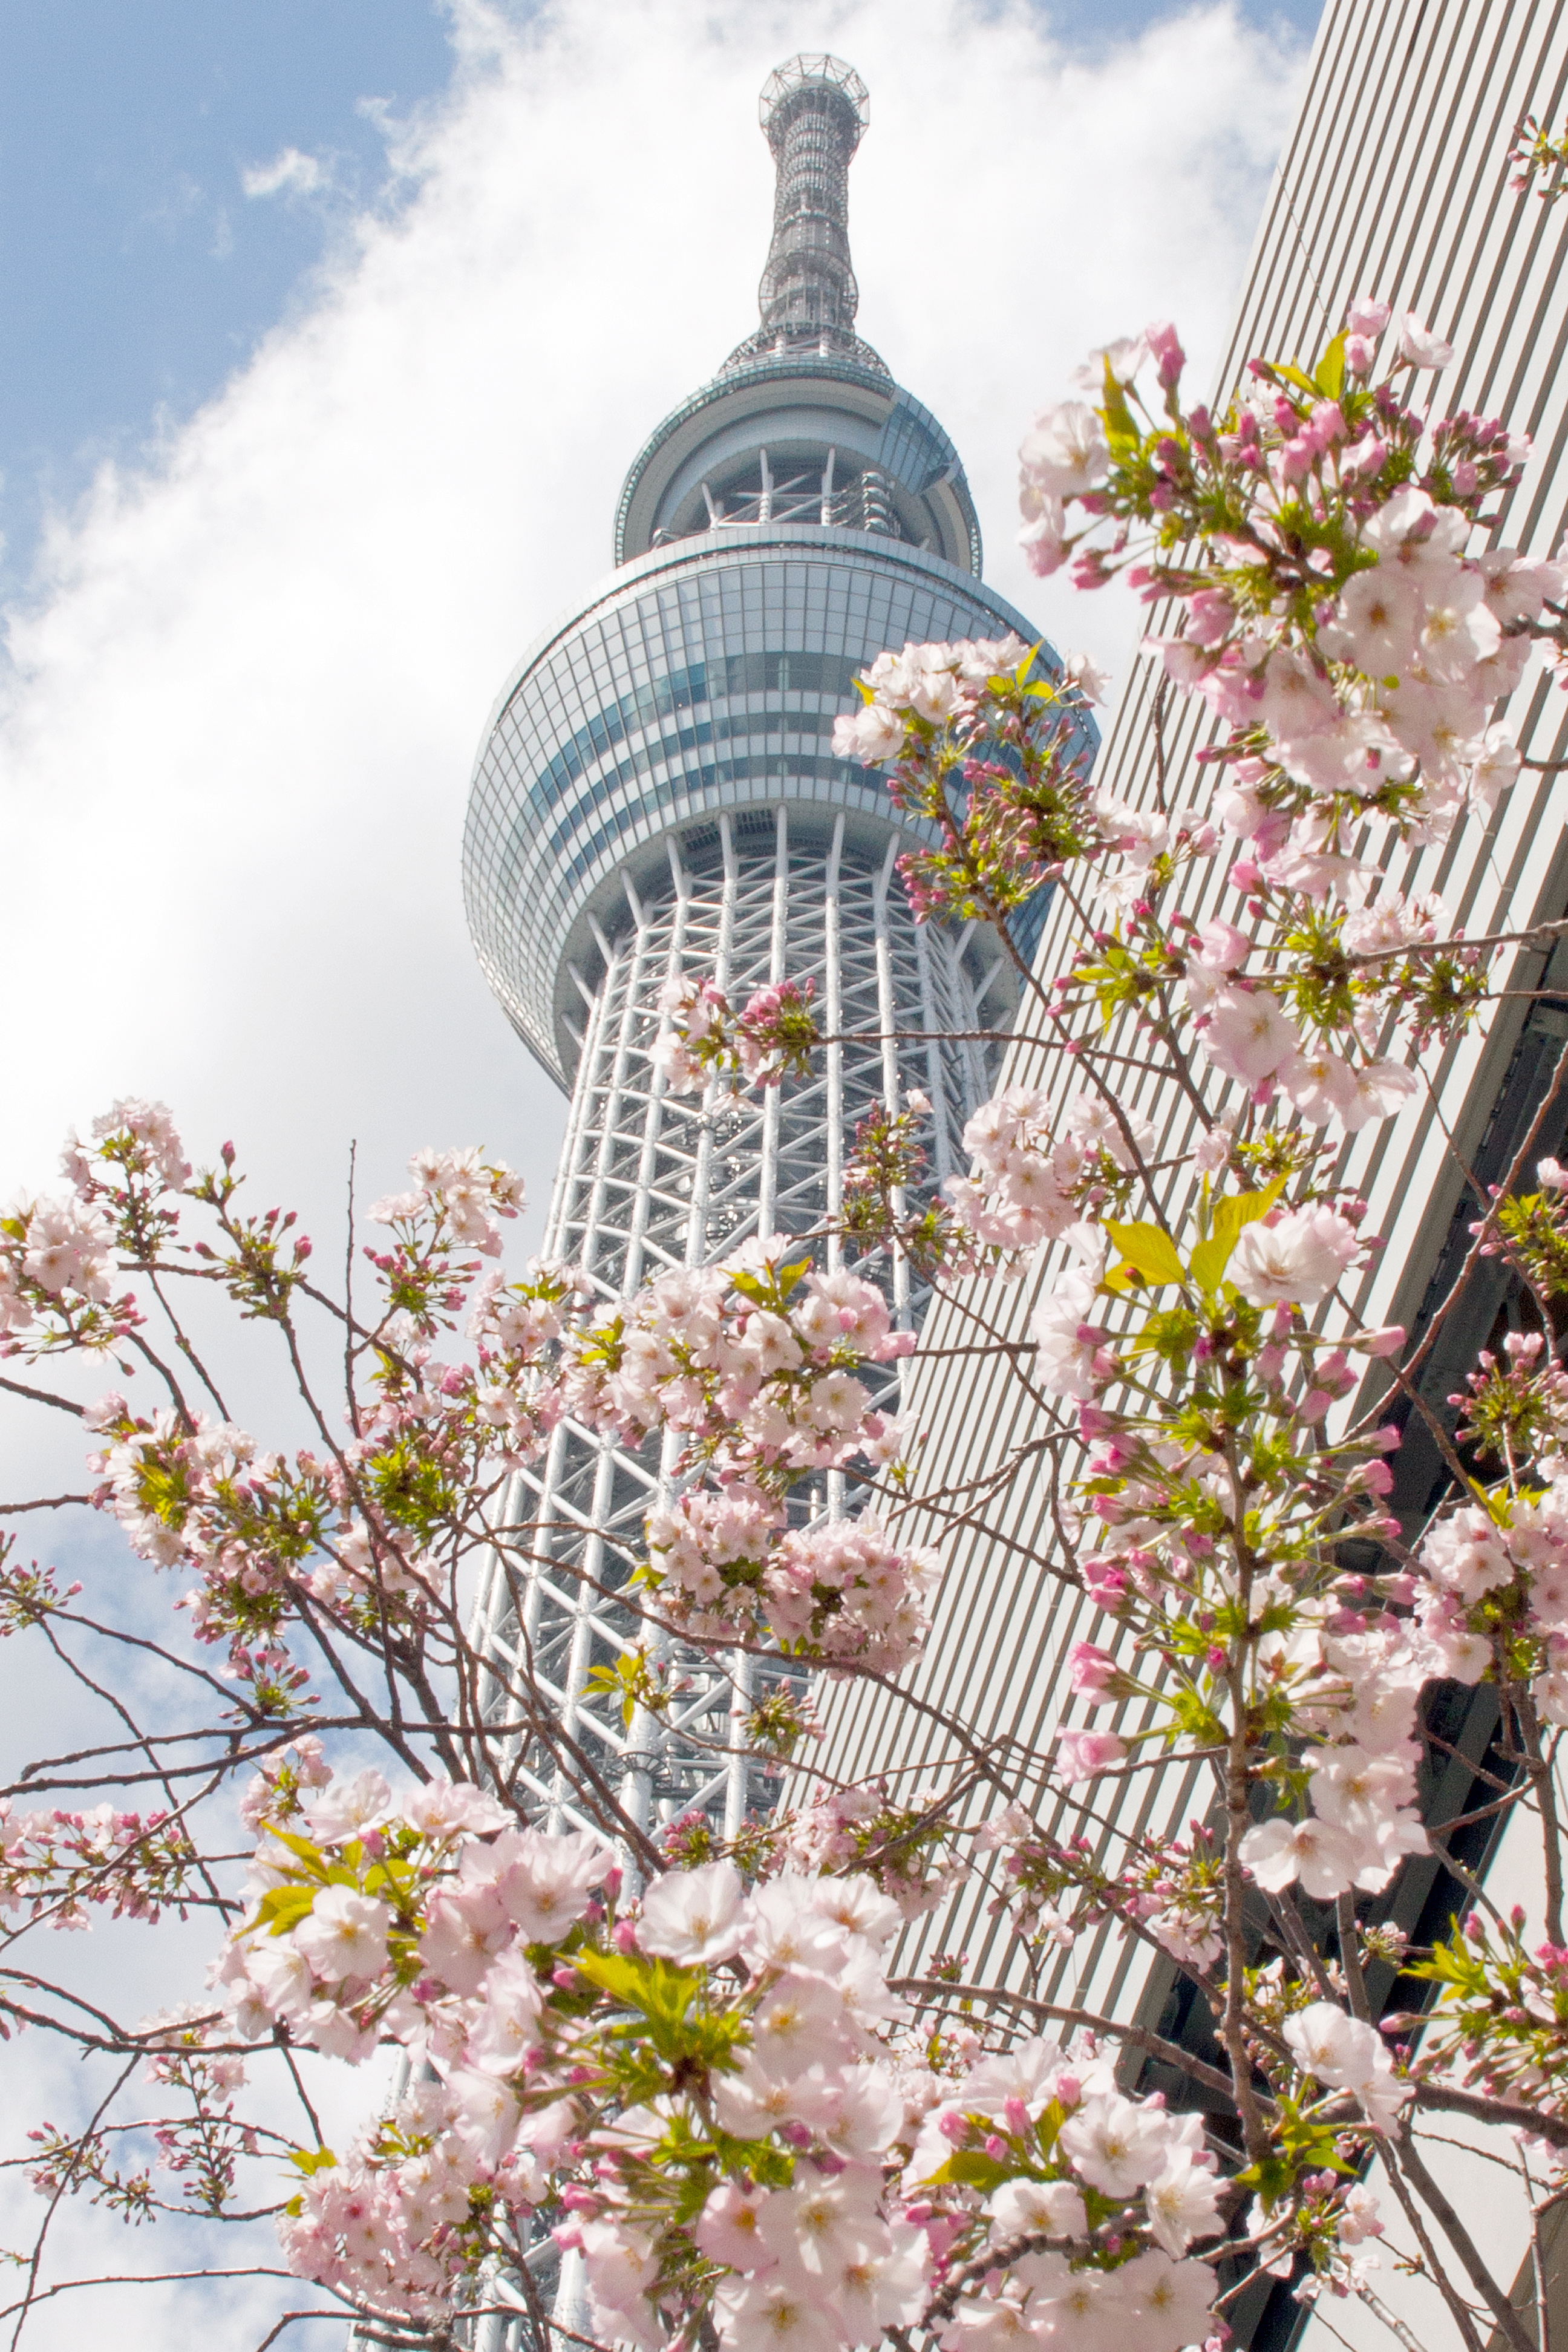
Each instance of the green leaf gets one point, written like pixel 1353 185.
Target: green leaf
pixel 974 2171
pixel 1237 1210
pixel 661 1991
pixel 312 2159
pixel 284 1907
pixel 393 1875
pixel 1332 369
pixel 1149 1249
pixel 771 1295
pixel 621 1978
pixel 1120 428
pixel 623 1680
pixel 310 1855
pixel 1210 1259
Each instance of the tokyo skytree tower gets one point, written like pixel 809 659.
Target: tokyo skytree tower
pixel 657 792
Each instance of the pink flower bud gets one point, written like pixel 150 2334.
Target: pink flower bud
pixel 1165 349
pixel 1081 1755
pixel 1367 316
pixel 1221 943
pixel 1091 1668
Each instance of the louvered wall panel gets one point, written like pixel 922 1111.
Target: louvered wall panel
pixel 1394 182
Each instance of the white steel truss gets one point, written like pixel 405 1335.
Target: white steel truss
pixel 650 1181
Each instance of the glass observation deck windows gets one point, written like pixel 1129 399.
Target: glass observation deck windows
pixel 705 677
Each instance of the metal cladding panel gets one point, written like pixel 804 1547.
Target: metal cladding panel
pixel 1394 183
pixel 702 678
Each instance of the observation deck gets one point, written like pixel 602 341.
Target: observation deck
pixel 702 677
pixel 794 517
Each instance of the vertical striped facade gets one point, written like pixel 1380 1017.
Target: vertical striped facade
pixel 1395 183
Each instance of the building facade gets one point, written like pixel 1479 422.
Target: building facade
pixel 657 792
pixel 1395 183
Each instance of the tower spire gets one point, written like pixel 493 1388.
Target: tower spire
pixel 814 110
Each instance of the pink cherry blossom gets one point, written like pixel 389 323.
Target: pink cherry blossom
pixel 1295 1261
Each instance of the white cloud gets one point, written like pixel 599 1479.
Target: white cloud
pixel 235 743
pixel 235 747
pixel 290 172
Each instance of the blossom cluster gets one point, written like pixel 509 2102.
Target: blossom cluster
pixel 1035 1175
pixel 1502 2026
pixel 1174 1888
pixel 53 1865
pixel 908 1848
pixel 931 682
pixel 700 1037
pixel 751 1365
pixel 469 1193
pixel 1536 154
pixel 992 753
pixel 1314 542
pixel 1329 612
pixel 356 1528
pixel 58 1256
pixel 736 2058
pixel 840 1591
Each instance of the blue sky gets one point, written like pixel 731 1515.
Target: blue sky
pixel 136 273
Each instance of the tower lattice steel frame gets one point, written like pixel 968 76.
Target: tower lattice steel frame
pixel 657 792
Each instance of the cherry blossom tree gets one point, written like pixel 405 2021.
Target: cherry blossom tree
pixel 698 2067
